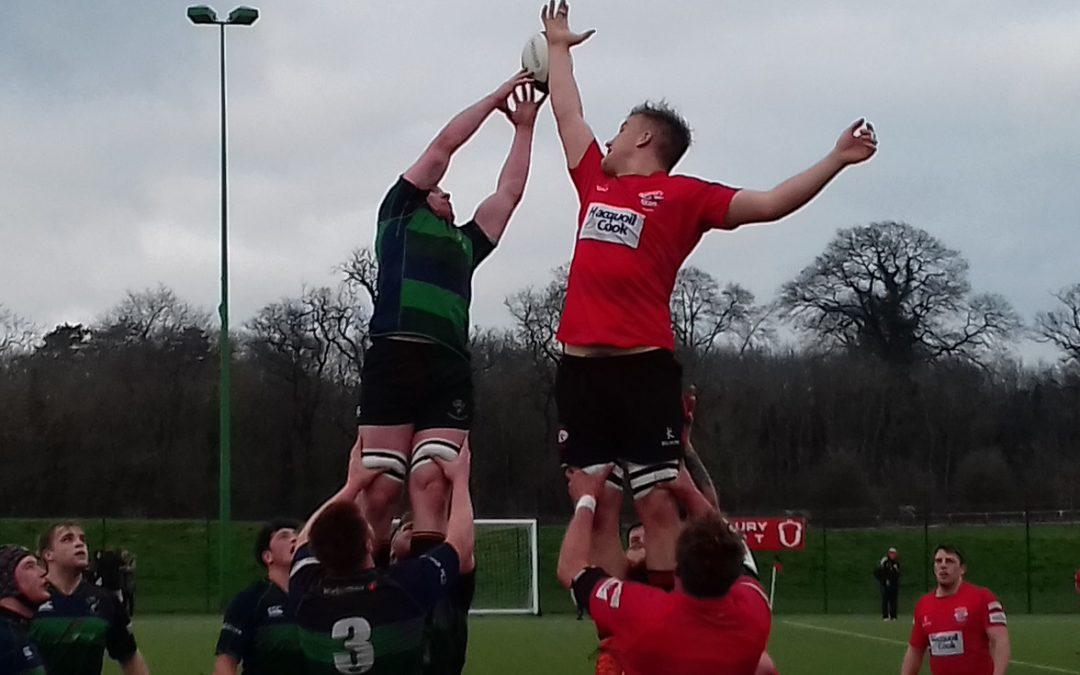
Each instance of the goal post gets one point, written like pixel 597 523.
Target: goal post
pixel 507 566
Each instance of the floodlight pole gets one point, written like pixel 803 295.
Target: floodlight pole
pixel 239 16
pixel 225 350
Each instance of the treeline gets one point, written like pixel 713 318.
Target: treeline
pixel 901 393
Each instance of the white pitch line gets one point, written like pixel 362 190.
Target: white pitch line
pixel 848 633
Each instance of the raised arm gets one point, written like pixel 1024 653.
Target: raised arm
pixel 460 528
pixel 494 212
pixel 358 479
pixel 687 493
pixel 754 206
pixel 694 465
pixel 585 490
pixel 431 167
pixel 565 97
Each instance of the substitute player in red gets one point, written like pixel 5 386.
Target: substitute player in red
pixel 716 620
pixel 963 625
pixel 618 386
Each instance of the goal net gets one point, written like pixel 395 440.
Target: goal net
pixel 506 567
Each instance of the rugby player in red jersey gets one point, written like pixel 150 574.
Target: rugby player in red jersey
pixel 618 386
pixel 963 625
pixel 716 620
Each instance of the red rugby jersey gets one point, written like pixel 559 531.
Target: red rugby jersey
pixel 954 629
pixel 650 631
pixel 634 232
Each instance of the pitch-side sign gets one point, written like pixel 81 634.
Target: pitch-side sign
pixel 772 534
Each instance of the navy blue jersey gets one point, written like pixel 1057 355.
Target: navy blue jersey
pixel 74 631
pixel 448 629
pixel 372 622
pixel 18 656
pixel 259 631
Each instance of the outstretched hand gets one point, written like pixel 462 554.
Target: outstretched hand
pixel 457 469
pixel 857 143
pixel 522 105
pixel 359 477
pixel 506 89
pixel 682 485
pixel 557 26
pixel 580 482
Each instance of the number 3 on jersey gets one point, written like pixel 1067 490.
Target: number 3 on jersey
pixel 360 657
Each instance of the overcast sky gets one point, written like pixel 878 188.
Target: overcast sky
pixel 109 120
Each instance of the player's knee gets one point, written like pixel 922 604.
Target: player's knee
pixel 426 480
pixel 423 471
pixel 391 463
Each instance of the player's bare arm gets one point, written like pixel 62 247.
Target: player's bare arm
pixel 357 480
pixel 913 659
pixel 585 490
pixel 432 165
pixel 687 493
pixel 460 528
pixel 226 664
pixel 494 212
pixel 136 665
pixel 754 206
pixel 1000 648
pixel 565 96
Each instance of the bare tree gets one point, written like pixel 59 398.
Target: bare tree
pixel 154 314
pixel 1061 326
pixel 536 316
pixel 361 272
pixel 895 291
pixel 758 330
pixel 702 312
pixel 348 313
pixel 17 334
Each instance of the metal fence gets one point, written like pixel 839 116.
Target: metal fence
pixel 1027 558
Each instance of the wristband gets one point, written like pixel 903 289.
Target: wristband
pixel 586 502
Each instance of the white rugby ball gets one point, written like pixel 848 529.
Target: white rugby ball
pixel 534 58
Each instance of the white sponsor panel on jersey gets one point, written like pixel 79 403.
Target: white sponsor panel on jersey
pixel 614 224
pixel 947 643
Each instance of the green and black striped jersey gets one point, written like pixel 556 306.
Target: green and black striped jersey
pixel 74 631
pixel 426 266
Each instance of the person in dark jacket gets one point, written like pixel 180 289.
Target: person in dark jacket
pixel 887 574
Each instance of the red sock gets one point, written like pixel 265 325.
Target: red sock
pixel 662 579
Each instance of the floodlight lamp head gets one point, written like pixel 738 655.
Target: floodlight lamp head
pixel 243 16
pixel 201 14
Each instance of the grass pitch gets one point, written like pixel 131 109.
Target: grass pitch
pixel 800 644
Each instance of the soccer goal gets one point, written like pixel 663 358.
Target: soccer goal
pixel 506 567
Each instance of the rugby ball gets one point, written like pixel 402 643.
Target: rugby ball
pixel 534 59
